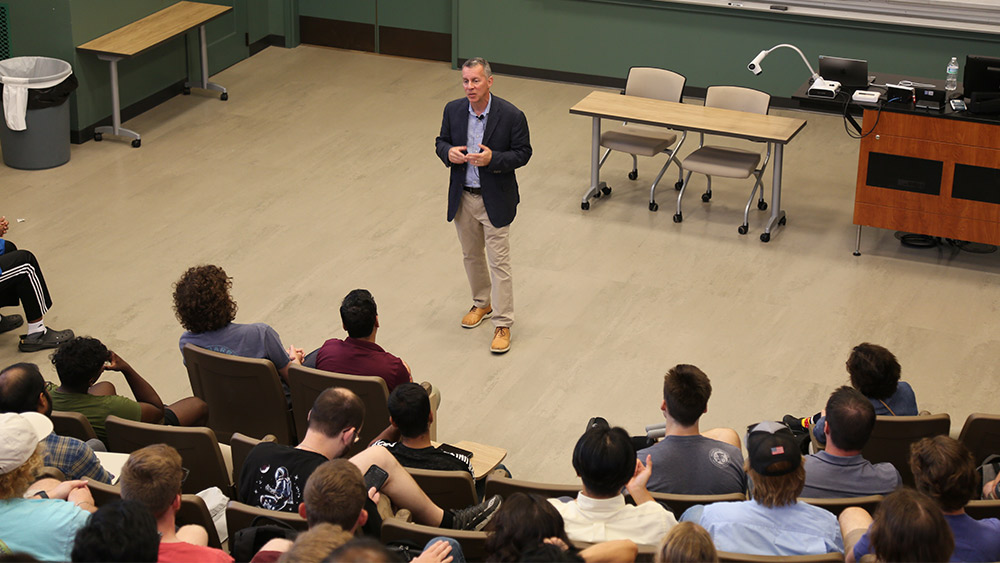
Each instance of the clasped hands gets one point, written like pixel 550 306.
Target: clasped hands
pixel 460 155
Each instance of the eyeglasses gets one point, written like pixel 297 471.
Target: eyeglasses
pixel 184 474
pixel 357 435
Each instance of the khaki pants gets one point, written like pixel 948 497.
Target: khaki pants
pixel 486 252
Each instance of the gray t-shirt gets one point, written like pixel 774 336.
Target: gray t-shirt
pixel 256 340
pixel 830 476
pixel 695 465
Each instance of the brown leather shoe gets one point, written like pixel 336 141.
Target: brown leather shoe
pixel 501 340
pixel 476 316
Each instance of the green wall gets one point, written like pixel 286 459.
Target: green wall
pixel 708 45
pixel 590 37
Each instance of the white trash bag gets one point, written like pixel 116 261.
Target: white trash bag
pixel 21 73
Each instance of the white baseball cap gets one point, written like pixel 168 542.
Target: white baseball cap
pixel 19 435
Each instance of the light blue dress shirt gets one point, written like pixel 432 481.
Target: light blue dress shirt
pixel 474 138
pixel 749 527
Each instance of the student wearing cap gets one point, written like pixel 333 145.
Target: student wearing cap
pixel 773 522
pixel 43 521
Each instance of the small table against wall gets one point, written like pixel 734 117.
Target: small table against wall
pixel 142 35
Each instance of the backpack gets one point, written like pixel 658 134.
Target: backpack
pixel 247 542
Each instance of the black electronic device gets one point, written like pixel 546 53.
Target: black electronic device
pixel 929 98
pixel 896 93
pixel 375 477
pixel 987 103
pixel 959 105
pixel 455 450
pixel 982 74
pixel 851 73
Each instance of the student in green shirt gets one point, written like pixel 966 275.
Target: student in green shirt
pixel 80 363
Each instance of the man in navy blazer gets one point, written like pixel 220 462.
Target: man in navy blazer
pixel 483 139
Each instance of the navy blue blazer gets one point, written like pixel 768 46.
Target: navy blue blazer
pixel 507 136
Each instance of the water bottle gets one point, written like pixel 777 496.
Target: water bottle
pixel 951 82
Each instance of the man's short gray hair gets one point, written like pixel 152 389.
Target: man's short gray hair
pixel 479 61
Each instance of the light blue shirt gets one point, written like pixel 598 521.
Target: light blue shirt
pixel 474 137
pixel 44 528
pixel 749 527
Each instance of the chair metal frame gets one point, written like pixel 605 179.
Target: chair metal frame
pixel 757 173
pixel 632 89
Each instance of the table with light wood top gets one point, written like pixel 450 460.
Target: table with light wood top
pixel 484 458
pixel 689 117
pixel 142 35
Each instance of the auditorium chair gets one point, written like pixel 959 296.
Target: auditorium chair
pixel 473 543
pixel 892 435
pixel 193 509
pixel 448 489
pixel 239 516
pixel 72 424
pixel 981 434
pixel 307 383
pixel 241 446
pixel 747 558
pixel 837 505
pixel 243 394
pixel 199 450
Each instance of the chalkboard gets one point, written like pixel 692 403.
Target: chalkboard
pixel 961 15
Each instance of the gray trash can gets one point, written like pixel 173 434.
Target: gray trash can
pixel 34 131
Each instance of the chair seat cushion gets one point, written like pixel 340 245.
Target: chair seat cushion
pixel 640 140
pixel 726 162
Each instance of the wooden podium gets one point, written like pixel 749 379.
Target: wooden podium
pixel 931 174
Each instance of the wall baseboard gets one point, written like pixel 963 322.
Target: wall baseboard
pixel 265 42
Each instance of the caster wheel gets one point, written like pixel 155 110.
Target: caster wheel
pixel 653 206
pixel 782 221
pixel 762 205
pixel 765 237
pixel 136 143
pixel 706 197
pixel 742 230
pixel 597 194
pixel 98 137
pixel 585 205
pixel 678 217
pixel 678 186
pixel 606 190
pixel 186 91
pixel 224 96
pixel 856 253
pixel 633 175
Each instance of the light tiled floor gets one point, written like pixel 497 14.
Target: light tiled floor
pixel 319 176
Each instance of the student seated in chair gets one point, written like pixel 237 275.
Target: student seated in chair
pixel 944 469
pixel 358 354
pixel 410 415
pixel 334 502
pixel 206 310
pixel 839 470
pixel 79 364
pixel 40 517
pixel 22 389
pixel 152 476
pixel 686 460
pixel 773 522
pixel 605 461
pixel 274 475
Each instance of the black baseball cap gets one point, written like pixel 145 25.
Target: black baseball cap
pixel 771 442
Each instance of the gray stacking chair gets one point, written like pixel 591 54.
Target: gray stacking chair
pixel 727 161
pixel 645 140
